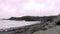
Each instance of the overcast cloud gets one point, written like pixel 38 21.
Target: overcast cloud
pixel 9 8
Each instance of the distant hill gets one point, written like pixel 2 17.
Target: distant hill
pixel 33 18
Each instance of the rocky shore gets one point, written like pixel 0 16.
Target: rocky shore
pixel 54 30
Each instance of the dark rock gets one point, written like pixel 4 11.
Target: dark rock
pixel 58 23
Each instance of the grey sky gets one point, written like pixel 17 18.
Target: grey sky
pixel 9 8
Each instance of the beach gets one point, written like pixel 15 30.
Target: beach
pixel 54 30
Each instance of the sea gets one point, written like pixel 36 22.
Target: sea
pixel 11 23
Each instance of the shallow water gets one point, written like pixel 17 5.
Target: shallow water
pixel 9 24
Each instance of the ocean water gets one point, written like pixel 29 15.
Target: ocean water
pixel 10 24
